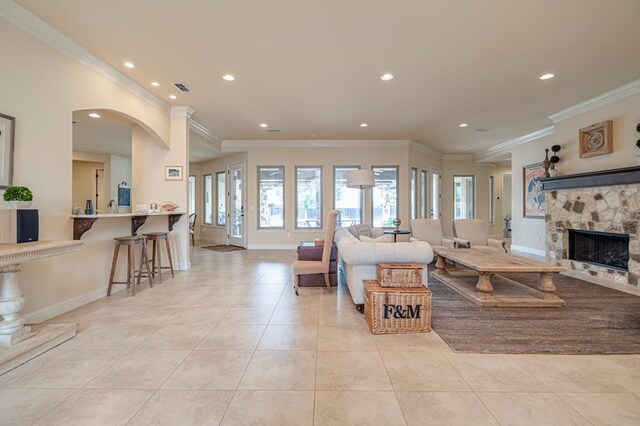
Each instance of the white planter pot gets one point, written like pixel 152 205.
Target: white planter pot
pixel 638 159
pixel 14 205
pixel 553 172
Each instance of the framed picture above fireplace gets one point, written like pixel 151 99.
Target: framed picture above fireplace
pixel 596 139
pixel 532 189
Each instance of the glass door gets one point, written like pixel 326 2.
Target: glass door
pixel 435 194
pixel 236 223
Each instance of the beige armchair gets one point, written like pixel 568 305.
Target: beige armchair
pixel 304 267
pixel 473 233
pixel 429 230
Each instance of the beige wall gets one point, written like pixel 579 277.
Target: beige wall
pixel 84 181
pixel 43 109
pixel 625 114
pixel 481 171
pixel 212 233
pixel 423 161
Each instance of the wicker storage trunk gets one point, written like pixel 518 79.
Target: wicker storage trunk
pixel 399 274
pixel 396 310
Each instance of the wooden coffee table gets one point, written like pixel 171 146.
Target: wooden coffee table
pixel 481 283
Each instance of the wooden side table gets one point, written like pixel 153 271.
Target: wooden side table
pixel 307 250
pixel 395 233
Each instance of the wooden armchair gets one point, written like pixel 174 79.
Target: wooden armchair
pixel 473 232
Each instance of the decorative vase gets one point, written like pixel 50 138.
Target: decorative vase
pixel 396 222
pixel 88 209
pixel 17 205
pixel 553 172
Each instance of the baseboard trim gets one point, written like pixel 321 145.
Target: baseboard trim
pixel 63 307
pixel 272 246
pixel 182 266
pixel 529 250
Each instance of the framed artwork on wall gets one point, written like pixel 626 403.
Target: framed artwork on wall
pixel 7 135
pixel 533 195
pixel 596 139
pixel 173 173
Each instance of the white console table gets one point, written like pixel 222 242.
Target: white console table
pixel 18 343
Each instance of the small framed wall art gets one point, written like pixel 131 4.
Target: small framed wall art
pixel 173 173
pixel 7 134
pixel 596 139
pixel 532 189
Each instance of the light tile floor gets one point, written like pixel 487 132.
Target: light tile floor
pixel 228 342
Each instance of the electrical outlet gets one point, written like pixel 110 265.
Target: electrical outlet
pixel 288 234
pixel 538 238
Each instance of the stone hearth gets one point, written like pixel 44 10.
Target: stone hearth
pixel 611 208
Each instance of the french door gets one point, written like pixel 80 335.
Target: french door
pixel 236 228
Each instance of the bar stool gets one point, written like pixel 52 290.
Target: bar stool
pixel 156 238
pixel 130 242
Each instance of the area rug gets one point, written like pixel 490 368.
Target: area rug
pixel 223 249
pixel 596 320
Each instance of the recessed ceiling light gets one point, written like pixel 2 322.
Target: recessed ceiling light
pixel 129 65
pixel 264 125
pixel 546 76
pixel 155 84
pixel 386 77
pixel 228 77
pixel 364 125
pixel 173 97
pixel 94 115
pixel 462 125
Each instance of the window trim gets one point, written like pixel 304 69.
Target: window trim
pixel 204 199
pixel 295 199
pixel 333 184
pixel 195 194
pixel 224 216
pixel 413 176
pixel 474 195
pixel 284 198
pixel 373 167
pixel 424 183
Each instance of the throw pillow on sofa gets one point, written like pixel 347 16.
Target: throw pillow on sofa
pixel 360 230
pixel 381 239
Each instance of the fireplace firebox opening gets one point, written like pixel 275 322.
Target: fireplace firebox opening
pixel 600 248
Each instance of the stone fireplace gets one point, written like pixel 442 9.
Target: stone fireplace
pixel 592 225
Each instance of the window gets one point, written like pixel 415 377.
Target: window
pixel 192 195
pixel 490 199
pixel 435 194
pixel 463 197
pixel 271 197
pixel 309 197
pixel 423 193
pixel 414 193
pixel 347 200
pixel 208 200
pixel 221 199
pixel 385 195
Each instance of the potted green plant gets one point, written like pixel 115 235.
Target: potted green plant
pixel 554 160
pixel 18 197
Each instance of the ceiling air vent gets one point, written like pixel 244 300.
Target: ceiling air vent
pixel 273 130
pixel 182 87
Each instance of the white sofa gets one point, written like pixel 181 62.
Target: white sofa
pixel 358 259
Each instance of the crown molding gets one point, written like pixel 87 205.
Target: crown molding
pixel 205 133
pixel 232 145
pixel 457 157
pixel 603 99
pixel 35 26
pixel 182 111
pixel 481 155
pixel 424 149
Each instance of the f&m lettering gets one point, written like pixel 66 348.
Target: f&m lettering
pixel 397 311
